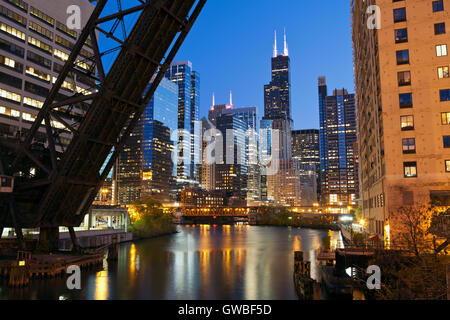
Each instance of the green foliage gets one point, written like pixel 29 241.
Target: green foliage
pixel 151 220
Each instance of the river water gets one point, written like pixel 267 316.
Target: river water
pixel 200 262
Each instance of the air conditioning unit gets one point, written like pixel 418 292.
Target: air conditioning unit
pixel 6 184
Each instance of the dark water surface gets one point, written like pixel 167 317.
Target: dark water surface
pixel 200 262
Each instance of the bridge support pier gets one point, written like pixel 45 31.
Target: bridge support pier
pixel 49 239
pixel 76 245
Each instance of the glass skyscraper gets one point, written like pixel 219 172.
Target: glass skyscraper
pixel 146 169
pixel 188 82
pixel 338 138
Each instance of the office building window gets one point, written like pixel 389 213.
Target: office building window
pixel 438 5
pixel 445 94
pixel 13 32
pixel 445 118
pixel 401 35
pixel 12 48
pixel 442 72
pixel 407 123
pixel 399 14
pixel 19 4
pixel 404 78
pixel 10 96
pixel 44 32
pixel 441 50
pixel 446 142
pixel 42 16
pixel 402 57
pixel 33 57
pixel 65 29
pixel 40 45
pixel 410 169
pixel 405 100
pixel 409 145
pixel 447 165
pixel 11 63
pixel 11 15
pixel 439 28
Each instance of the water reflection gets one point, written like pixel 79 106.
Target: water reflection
pixel 200 262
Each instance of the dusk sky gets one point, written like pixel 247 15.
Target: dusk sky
pixel 231 46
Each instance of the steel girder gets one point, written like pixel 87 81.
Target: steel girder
pixel 68 181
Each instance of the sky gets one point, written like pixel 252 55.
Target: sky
pixel 231 46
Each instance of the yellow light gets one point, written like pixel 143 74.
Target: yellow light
pixel 362 222
pixel 104 190
pixel 22 263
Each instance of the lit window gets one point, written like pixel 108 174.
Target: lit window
pixel 441 50
pixel 447 165
pixel 445 118
pixel 410 169
pixel 12 31
pixel 407 123
pixel 404 78
pixel 443 72
pixel 10 95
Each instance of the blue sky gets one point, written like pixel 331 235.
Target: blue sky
pixel 231 46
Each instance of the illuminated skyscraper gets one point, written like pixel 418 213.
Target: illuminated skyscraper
pixel 337 146
pixel 146 169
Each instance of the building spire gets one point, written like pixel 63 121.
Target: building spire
pixel 275 50
pixel 214 100
pixel 231 98
pixel 286 50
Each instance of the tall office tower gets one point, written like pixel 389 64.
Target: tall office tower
pixel 195 127
pixel 306 148
pixel 146 168
pixel 206 170
pixel 253 166
pixel 188 82
pixel 337 148
pixel 34 45
pixel 277 113
pixel 403 88
pixel 230 168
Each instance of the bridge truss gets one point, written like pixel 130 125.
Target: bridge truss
pixel 55 187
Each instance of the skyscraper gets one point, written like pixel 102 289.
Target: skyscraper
pixel 403 88
pixel 231 170
pixel 146 169
pixel 306 148
pixel 337 147
pixel 188 82
pixel 34 45
pixel 277 94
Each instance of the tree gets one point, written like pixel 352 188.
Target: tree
pixel 410 227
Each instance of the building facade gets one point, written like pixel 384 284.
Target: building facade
pixel 306 148
pixel 338 134
pixel 188 82
pixel 145 166
pixel 34 45
pixel 282 180
pixel 403 88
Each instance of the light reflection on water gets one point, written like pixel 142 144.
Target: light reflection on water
pixel 200 262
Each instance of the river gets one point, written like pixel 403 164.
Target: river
pixel 200 262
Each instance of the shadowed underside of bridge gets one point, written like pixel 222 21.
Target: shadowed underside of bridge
pixel 65 182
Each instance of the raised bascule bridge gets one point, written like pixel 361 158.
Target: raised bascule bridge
pixel 46 184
